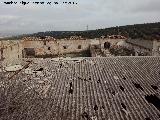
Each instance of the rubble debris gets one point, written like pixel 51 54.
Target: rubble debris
pixel 115 77
pixel 28 71
pixel 13 68
pixel 79 100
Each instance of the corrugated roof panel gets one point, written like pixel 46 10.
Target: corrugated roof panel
pixel 119 88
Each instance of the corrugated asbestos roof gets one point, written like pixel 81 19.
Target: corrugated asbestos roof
pixel 118 88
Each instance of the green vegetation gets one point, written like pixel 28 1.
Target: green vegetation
pixel 144 31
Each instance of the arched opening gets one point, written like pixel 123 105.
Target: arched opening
pixel 107 45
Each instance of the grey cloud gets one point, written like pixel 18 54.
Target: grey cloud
pixel 97 14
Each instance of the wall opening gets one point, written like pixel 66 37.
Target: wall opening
pixel 28 52
pixel 153 99
pixel 79 47
pixel 107 45
pixel 64 47
pixel 44 42
pixel 49 48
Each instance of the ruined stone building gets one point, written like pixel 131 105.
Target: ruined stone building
pixel 85 88
pixel 50 47
pixel 140 46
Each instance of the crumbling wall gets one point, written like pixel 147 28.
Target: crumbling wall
pixel 148 44
pixel 71 46
pixel 10 51
pixel 111 41
pixel 55 47
pixel 156 48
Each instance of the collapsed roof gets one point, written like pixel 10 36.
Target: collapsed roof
pixel 117 88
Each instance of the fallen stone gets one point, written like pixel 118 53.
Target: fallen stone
pixel 28 71
pixel 13 68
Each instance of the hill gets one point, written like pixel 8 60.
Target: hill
pixel 144 31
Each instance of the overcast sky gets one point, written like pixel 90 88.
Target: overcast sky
pixel 18 19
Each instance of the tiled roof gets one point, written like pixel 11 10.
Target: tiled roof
pixel 115 88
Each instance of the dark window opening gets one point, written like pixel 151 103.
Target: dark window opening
pixel 153 99
pixel 154 87
pixel 121 88
pixel 49 48
pixel 28 52
pixel 138 86
pixel 64 47
pixel 79 46
pixel 44 42
pixel 107 45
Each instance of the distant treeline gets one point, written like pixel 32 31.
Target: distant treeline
pixel 144 31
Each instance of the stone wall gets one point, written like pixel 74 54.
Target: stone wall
pixel 10 51
pixel 148 44
pixel 156 48
pixel 55 47
pixel 60 47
